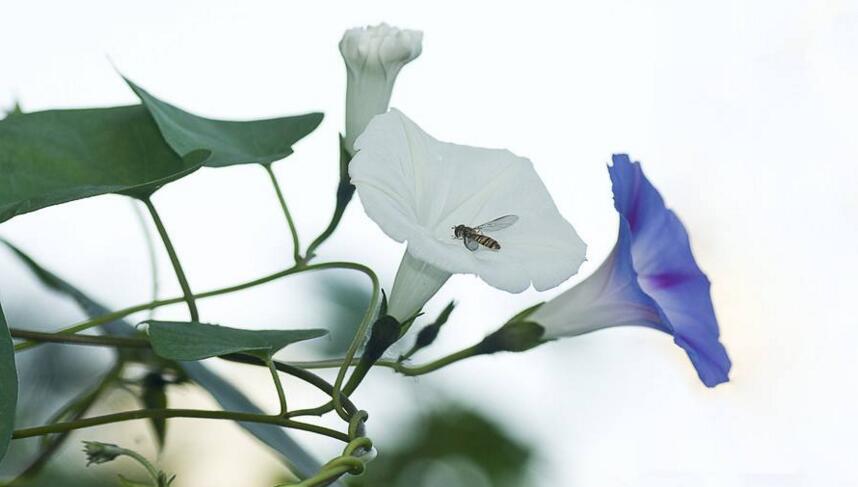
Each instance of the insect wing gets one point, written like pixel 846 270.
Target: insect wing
pixel 498 224
pixel 470 243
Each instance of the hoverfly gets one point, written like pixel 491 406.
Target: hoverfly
pixel 473 237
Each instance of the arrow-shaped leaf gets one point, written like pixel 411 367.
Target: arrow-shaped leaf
pixel 230 142
pixel 188 341
pixel 56 156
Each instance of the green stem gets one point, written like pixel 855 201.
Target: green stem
pixel 323 478
pixel 177 413
pixel 396 365
pixel 116 315
pixel 436 364
pixel 150 250
pixel 153 472
pixel 331 471
pixel 95 340
pixel 335 221
pixel 174 259
pixel 354 380
pixel 345 191
pixel 281 396
pixel 357 341
pixel 302 374
pixel 114 341
pixel 296 245
pixel 336 401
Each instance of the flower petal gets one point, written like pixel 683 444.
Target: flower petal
pixel 417 188
pixel 610 297
pixel 667 270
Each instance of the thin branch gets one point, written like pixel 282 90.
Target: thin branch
pixel 93 340
pixel 296 245
pixel 177 413
pixel 174 259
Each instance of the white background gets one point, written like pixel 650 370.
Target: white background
pixel 743 114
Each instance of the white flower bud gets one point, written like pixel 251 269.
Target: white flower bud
pixel 373 55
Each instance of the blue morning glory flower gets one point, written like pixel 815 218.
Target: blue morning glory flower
pixel 650 279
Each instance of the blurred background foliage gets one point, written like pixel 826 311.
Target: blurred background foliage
pixel 452 446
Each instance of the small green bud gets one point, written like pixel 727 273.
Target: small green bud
pixel 97 452
pixel 429 333
pixel 385 332
pixel 515 336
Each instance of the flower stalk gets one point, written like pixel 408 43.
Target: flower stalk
pixel 296 244
pixel 174 259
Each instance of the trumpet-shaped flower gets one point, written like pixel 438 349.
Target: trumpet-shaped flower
pixel 650 279
pixel 373 55
pixel 418 189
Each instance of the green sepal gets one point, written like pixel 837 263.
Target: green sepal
pixel 345 189
pixel 189 341
pixel 525 313
pixel 230 142
pixel 385 332
pixel 515 336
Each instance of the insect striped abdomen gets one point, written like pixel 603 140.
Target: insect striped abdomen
pixel 487 242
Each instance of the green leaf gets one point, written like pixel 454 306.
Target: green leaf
pixel 230 142
pixel 8 386
pixel 56 156
pixel 187 341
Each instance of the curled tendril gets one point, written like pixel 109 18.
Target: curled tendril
pixel 355 466
pixel 356 424
pixel 357 444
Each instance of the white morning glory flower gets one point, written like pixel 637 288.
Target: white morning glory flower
pixel 417 189
pixel 373 55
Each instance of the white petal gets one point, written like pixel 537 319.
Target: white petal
pixel 417 188
pixel 416 282
pixel 610 297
